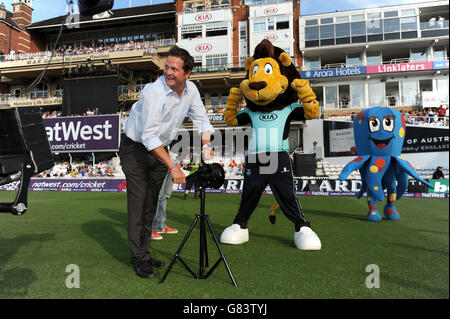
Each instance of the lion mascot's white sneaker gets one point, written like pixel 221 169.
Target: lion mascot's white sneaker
pixel 307 239
pixel 234 235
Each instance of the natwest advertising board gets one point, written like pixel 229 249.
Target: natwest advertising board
pixel 99 133
pixel 399 67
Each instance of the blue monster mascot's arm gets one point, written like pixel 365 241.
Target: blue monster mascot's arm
pixel 379 133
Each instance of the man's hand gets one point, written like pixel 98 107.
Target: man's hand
pixel 208 153
pixel 178 175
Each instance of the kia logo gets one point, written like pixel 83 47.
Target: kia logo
pixel 271 37
pixel 268 117
pixel 271 10
pixel 202 17
pixel 203 47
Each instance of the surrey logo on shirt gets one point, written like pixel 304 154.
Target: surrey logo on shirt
pixel 268 117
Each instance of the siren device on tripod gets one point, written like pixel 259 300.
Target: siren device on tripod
pixel 207 176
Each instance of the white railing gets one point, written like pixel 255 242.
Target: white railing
pixel 149 47
pixel 434 25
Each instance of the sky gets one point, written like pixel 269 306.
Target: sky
pixel 47 9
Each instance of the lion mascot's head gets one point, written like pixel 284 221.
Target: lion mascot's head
pixel 267 85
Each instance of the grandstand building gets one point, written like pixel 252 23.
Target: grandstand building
pixel 393 56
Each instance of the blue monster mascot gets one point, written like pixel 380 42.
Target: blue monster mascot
pixel 271 89
pixel 379 134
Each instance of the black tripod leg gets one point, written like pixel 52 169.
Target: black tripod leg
pixel 177 254
pixel 220 250
pixel 203 248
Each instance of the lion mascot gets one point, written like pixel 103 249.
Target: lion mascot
pixel 271 89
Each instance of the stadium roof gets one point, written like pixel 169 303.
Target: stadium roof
pixel 111 16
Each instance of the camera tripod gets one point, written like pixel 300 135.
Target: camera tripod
pixel 203 263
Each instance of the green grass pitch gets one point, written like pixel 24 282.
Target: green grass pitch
pixel 90 231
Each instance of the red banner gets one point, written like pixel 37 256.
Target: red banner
pixel 399 67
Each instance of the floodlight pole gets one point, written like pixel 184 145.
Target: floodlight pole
pixel 204 220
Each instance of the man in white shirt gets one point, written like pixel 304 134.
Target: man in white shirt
pixel 151 126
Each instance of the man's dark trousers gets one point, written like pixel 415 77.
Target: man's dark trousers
pixel 282 185
pixel 145 175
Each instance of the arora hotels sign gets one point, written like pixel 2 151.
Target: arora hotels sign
pixel 325 73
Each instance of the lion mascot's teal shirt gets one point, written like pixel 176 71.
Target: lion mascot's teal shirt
pixel 270 129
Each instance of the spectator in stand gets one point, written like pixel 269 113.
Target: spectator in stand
pixel 441 21
pixel 438 173
pixel 432 22
pixel 441 111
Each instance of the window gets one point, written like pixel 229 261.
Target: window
pixel 122 89
pixel 357 17
pixel 408 12
pixel 214 101
pixel 188 32
pixel 342 30
pixel 358 28
pixel 442 87
pixel 376 94
pixel 419 55
pixel 374 26
pixel 140 84
pixel 342 19
pixel 408 24
pixel 282 23
pixel 331 96
pixel 409 92
pixel 327 31
pixel 311 22
pixel 271 24
pixel 312 33
pixel 312 63
pixel 390 14
pixel 216 29
pixel 216 60
pixel 439 54
pixel 259 25
pixel 326 20
pixel 391 25
pixel 357 95
pixel 354 60
pixel 59 89
pixel 374 58
pixel 41 90
pixel 374 15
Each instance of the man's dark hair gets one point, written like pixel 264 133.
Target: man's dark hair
pixel 183 55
